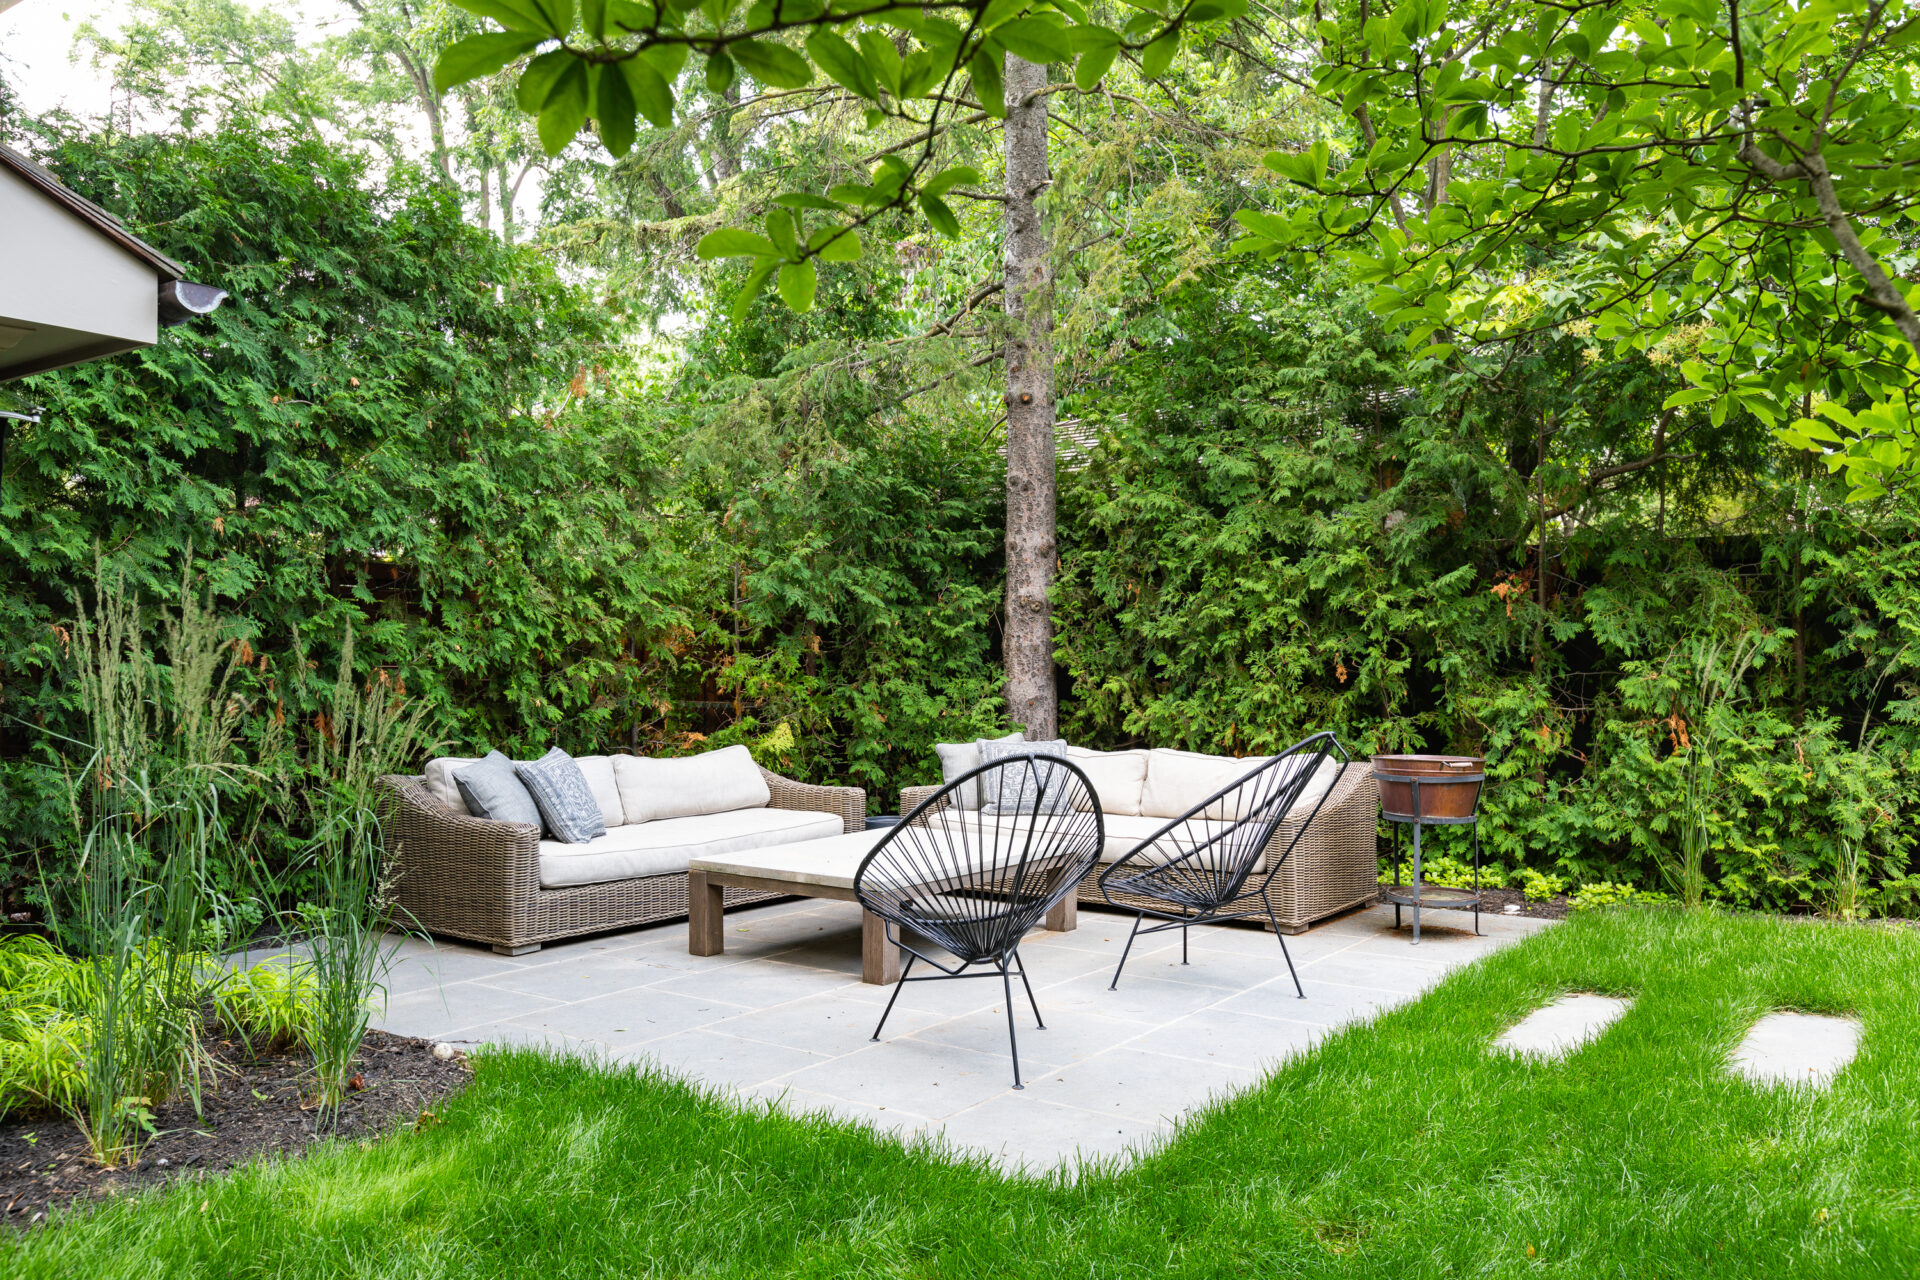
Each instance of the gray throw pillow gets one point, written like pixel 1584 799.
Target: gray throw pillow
pixel 493 790
pixel 561 793
pixel 1018 790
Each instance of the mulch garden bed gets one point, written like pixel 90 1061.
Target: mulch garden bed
pixel 261 1106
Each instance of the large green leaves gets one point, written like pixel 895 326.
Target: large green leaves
pixel 481 55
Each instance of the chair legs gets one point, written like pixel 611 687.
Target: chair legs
pixel 1126 951
pixel 1286 954
pixel 1013 1041
pixel 1038 1020
pixel 1140 919
pixel 886 1013
pixel 1007 967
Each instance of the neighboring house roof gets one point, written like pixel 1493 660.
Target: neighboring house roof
pixel 103 222
pixel 75 284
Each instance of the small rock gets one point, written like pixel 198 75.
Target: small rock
pixel 445 1052
pixel 163 1162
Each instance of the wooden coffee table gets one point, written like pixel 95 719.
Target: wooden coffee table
pixel 822 868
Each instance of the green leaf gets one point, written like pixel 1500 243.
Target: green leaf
pixel 1035 39
pixel 837 58
pixel 882 60
pixel 1209 10
pixel 780 231
pixel 854 193
pixel 719 71
pixel 631 15
pixel 772 63
pixel 651 93
pixel 987 83
pixel 947 179
pixel 797 283
pixel 835 244
pixel 940 215
pixel 841 64
pixel 733 242
pixel 537 81
pixel 613 105
pixel 514 15
pixel 566 109
pixel 756 281
pixel 1093 67
pixel 478 56
pixel 1158 56
pixel 593 18
pixel 559 13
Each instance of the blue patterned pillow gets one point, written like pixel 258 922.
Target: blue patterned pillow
pixel 567 806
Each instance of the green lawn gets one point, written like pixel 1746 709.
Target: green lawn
pixel 1399 1149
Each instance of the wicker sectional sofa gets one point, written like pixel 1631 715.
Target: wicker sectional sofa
pixel 1334 867
pixel 482 881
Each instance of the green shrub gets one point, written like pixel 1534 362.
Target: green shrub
pixel 1607 893
pixel 1541 886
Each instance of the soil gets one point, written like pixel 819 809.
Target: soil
pixel 262 1105
pixel 1496 901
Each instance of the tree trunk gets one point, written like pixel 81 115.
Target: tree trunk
pixel 1031 551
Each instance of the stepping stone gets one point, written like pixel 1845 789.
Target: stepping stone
pixel 1796 1048
pixel 1557 1029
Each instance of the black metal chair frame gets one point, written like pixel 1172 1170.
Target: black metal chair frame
pixel 1190 897
pixel 1032 884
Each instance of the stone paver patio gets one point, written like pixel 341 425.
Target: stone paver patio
pixel 784 1017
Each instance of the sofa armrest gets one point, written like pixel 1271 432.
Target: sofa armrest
pixel 849 804
pixel 450 864
pixel 1343 830
pixel 913 797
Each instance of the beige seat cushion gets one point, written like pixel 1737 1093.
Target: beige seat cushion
pixel 1117 777
pixel 666 845
pixel 440 784
pixel 689 786
pixel 1179 780
pixel 598 771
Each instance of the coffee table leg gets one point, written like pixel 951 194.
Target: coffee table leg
pixel 879 958
pixel 706 916
pixel 1065 917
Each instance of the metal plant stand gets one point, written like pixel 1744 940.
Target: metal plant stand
pixel 1417 893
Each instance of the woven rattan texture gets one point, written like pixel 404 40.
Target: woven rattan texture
pixel 465 877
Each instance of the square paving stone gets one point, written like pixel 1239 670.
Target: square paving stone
pixel 1557 1029
pixel 1797 1049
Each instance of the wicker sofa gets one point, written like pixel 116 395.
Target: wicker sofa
pixel 480 881
pixel 1334 868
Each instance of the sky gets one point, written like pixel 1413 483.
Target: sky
pixel 36 39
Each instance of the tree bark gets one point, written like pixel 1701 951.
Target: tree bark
pixel 1032 700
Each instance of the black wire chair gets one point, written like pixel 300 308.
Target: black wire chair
pixel 973 882
pixel 1206 866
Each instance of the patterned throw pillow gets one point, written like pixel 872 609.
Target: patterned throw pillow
pixel 567 806
pixel 1017 789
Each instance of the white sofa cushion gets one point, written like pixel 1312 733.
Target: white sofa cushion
pixel 440 784
pixel 689 786
pixel 957 758
pixel 1179 780
pixel 665 845
pixel 598 771
pixel 1117 777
